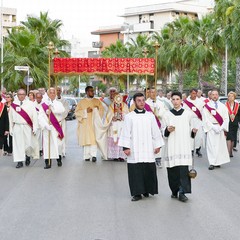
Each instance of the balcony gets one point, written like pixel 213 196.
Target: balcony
pixel 97 44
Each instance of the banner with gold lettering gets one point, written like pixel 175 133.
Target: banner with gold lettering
pixel 105 66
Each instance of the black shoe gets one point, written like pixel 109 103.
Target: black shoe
pixel 146 194
pixel 27 162
pixel 48 164
pixel 94 159
pixel 211 167
pixel 199 154
pixel 19 165
pixel 121 159
pixel 182 197
pixel 59 161
pixel 174 196
pixel 40 153
pixel 234 149
pixel 136 198
pixel 231 155
pixel 192 153
pixel 218 166
pixel 87 160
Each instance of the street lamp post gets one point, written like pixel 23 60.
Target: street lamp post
pixel 156 45
pixel 56 53
pixel 50 50
pixel 145 52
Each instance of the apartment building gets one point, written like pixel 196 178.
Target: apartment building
pixel 9 19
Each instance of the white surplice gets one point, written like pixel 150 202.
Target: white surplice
pixel 177 149
pixel 216 145
pixel 142 135
pixel 65 103
pixel 199 140
pixel 23 138
pixel 55 143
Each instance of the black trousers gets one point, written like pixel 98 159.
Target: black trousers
pixel 8 143
pixel 179 180
pixel 142 178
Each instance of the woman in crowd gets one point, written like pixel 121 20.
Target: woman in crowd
pixel 4 123
pixel 234 119
pixel 31 96
pixel 8 138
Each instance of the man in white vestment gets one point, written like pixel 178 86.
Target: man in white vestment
pixel 215 124
pixel 50 116
pixel 195 105
pixel 86 132
pixel 177 151
pixel 23 126
pixel 64 115
pixel 141 139
pixel 37 105
pixel 157 109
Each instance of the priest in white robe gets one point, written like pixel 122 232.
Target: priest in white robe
pixel 23 126
pixel 50 116
pixel 141 139
pixel 195 105
pixel 65 103
pixel 156 107
pixel 38 102
pixel 216 123
pixel 177 151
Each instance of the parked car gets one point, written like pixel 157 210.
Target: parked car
pixel 72 106
pixel 223 99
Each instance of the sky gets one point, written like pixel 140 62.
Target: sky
pixel 79 17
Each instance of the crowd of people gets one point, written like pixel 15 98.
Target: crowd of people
pixel 148 132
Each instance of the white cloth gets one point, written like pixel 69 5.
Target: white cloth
pixel 39 130
pixel 216 145
pixel 24 141
pixel 89 151
pixel 65 103
pixel 177 149
pixel 199 140
pixel 142 135
pixel 50 132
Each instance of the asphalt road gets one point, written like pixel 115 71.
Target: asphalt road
pixel 91 201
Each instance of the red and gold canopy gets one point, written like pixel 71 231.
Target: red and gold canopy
pixel 106 66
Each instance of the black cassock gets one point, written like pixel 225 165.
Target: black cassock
pixel 142 177
pixel 4 125
pixel 178 178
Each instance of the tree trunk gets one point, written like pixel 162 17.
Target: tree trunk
pixel 222 81
pixel 180 81
pixel 164 84
pixel 200 79
pixel 237 89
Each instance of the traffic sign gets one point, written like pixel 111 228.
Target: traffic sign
pixel 28 80
pixel 21 68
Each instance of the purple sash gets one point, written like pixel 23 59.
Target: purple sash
pixel 148 108
pixel 37 109
pixel 23 114
pixel 54 121
pixel 191 105
pixel 217 116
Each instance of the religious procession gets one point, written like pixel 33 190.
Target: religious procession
pixel 148 131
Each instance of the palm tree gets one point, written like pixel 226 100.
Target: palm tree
pixel 177 45
pixel 26 46
pixel 201 48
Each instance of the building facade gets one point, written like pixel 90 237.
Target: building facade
pixel 8 19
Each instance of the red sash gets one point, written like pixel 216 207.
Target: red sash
pixel 54 121
pixel 217 116
pixel 193 108
pixel 232 113
pixel 1 108
pixel 148 108
pixel 23 114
